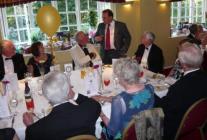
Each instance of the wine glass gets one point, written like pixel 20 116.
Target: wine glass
pixel 116 82
pixel 13 103
pixel 106 82
pixel 41 68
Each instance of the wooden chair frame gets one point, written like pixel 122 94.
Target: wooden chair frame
pixel 185 117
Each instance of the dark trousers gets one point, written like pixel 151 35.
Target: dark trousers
pixel 108 55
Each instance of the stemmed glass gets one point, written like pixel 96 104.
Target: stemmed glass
pixel 42 72
pixel 116 82
pixel 41 68
pixel 13 103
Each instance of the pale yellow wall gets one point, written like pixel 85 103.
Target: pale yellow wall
pixel 0 36
pixel 148 15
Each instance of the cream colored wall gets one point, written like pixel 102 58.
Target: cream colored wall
pixel 0 36
pixel 148 15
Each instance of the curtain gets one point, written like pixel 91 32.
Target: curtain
pixel 6 3
pixel 112 1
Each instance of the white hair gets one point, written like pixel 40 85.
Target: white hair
pixel 190 55
pixel 127 70
pixel 149 36
pixel 56 87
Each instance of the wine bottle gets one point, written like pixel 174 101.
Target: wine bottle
pixel 28 98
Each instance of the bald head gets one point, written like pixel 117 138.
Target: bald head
pixel 8 48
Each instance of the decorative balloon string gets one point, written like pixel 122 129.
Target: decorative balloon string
pixel 48 19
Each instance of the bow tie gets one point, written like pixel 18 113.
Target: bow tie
pixel 146 48
pixel 8 58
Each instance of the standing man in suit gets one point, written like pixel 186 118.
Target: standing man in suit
pixel 186 91
pixel 72 114
pixel 113 36
pixel 10 61
pixel 148 54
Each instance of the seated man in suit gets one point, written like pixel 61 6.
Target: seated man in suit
pixel 72 114
pixel 149 55
pixel 186 91
pixel 10 61
pixel 84 53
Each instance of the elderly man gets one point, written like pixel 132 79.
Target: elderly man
pixel 84 53
pixel 150 55
pixel 113 36
pixel 72 114
pixel 10 61
pixel 186 91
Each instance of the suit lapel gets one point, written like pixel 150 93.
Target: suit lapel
pixel 150 56
pixel 14 63
pixel 115 31
pixel 2 65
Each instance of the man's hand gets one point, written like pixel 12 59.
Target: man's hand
pixel 99 38
pixel 28 118
pixel 92 55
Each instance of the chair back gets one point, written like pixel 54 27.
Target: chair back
pixel 194 122
pixel 129 132
pixel 149 124
pixel 82 137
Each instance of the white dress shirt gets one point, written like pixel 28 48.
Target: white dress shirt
pixel 112 29
pixel 8 65
pixel 144 63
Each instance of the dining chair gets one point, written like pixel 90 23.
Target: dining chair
pixel 194 122
pixel 149 124
pixel 129 132
pixel 82 137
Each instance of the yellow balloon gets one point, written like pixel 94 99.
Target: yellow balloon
pixel 48 19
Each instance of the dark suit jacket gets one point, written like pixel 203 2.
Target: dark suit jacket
pixel 7 133
pixel 122 37
pixel 19 66
pixel 155 59
pixel 66 120
pixel 180 97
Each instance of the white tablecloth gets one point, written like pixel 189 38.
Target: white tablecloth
pixel 42 106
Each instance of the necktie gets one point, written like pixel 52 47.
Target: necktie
pixel 107 43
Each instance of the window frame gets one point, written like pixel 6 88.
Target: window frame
pixel 28 12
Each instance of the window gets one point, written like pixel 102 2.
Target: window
pixel 188 11
pixel 18 22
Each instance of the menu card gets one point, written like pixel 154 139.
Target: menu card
pixel 92 83
pixel 4 108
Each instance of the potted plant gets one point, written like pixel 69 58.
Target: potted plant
pixel 92 20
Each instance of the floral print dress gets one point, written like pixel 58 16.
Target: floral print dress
pixel 124 106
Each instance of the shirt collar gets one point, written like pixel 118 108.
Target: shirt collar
pixel 112 24
pixel 149 47
pixel 4 57
pixel 60 103
pixel 189 71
